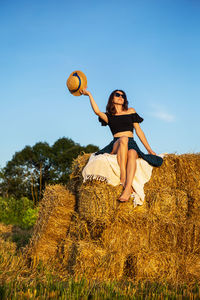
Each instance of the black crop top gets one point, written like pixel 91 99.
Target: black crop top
pixel 119 123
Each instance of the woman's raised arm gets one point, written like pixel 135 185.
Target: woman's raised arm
pixel 94 105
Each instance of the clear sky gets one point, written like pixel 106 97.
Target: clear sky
pixel 148 48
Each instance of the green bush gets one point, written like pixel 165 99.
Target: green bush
pixel 18 212
pixel 29 218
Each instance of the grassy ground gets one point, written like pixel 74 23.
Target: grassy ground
pixel 36 282
pixel 83 289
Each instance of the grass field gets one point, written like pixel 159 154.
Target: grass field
pixel 93 290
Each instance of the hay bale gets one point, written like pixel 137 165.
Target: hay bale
pixel 157 266
pixel 97 201
pixel 152 241
pixel 55 212
pixel 165 175
pixel 170 204
pixel 192 268
pixel 192 237
pixel 76 177
pixel 108 240
pixel 128 238
pixel 96 263
pixel 188 172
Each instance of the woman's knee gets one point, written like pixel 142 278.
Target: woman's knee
pixel 132 154
pixel 123 140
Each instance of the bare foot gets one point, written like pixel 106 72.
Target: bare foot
pixel 125 195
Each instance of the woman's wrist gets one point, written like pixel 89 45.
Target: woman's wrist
pixel 151 152
pixel 85 92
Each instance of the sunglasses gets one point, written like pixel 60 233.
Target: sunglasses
pixel 118 95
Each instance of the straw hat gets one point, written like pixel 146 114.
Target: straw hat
pixel 76 82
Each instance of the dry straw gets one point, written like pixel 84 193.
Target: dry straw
pixel 101 238
pixel 56 210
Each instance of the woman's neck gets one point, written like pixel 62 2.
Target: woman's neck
pixel 118 109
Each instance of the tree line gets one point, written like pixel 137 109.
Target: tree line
pixel 32 168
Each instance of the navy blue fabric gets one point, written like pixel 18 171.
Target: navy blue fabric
pixel 73 91
pixel 153 160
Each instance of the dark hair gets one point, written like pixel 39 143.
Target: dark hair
pixel 110 108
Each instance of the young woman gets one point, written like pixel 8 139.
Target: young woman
pixel 122 121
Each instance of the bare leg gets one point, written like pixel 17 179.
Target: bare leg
pixel 115 147
pixel 130 172
pixel 121 149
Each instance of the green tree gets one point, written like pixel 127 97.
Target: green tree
pixel 33 167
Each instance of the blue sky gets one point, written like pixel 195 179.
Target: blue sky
pixel 148 48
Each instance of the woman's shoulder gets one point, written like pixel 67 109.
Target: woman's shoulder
pixel 131 110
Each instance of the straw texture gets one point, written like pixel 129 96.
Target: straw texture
pixel 56 210
pixel 106 240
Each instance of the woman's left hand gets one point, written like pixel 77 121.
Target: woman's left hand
pixel 85 92
pixel 151 152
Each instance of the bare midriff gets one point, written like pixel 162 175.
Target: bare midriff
pixel 124 133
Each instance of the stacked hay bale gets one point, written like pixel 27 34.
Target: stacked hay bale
pixel 109 240
pixel 157 241
pixel 56 210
